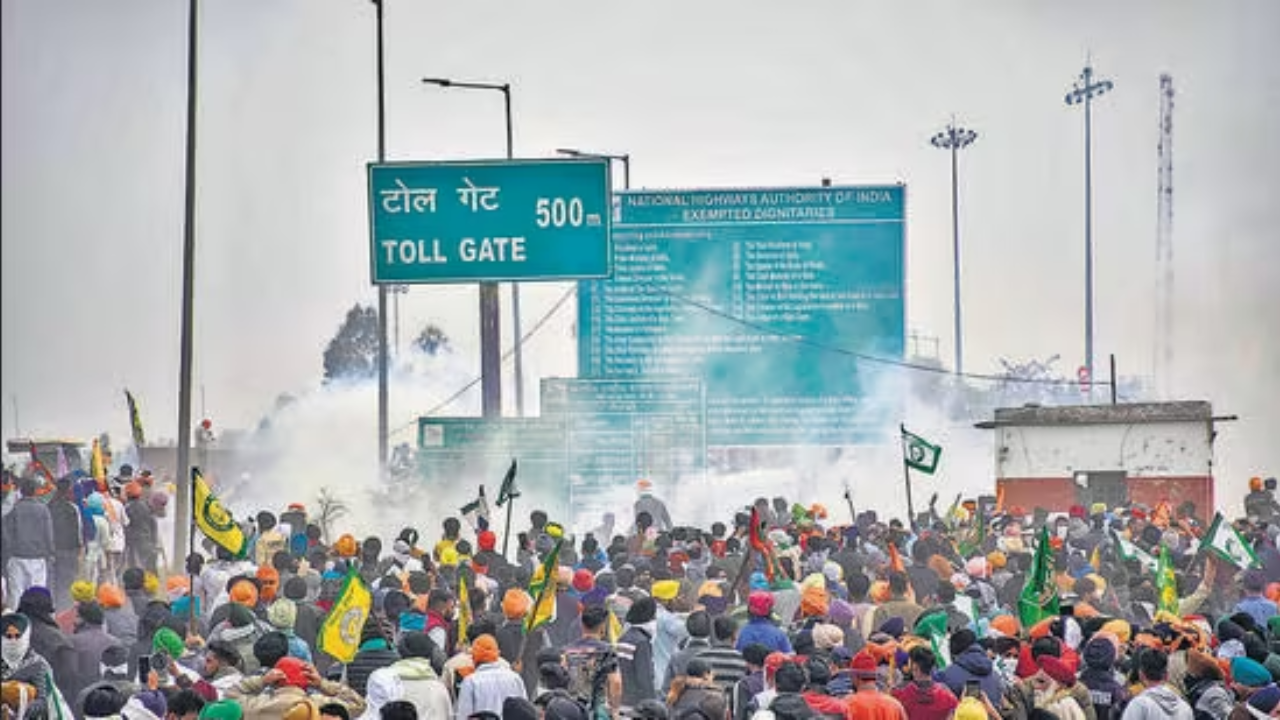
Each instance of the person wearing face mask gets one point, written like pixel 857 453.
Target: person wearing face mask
pixel 27 678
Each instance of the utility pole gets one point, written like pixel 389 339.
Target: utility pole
pixel 383 395
pixel 955 139
pixel 1086 88
pixel 183 513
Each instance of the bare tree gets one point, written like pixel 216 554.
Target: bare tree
pixel 332 508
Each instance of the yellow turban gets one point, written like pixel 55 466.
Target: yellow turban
pixel 665 590
pixel 83 591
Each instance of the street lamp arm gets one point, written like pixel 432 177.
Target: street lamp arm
pixel 450 83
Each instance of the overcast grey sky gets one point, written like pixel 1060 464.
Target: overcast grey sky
pixel 701 94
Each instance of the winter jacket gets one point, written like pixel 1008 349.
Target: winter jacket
pixel 748 687
pixel 762 630
pixel 973 665
pixel 635 663
pixel 306 624
pixel 486 689
pixel 656 509
pixel 567 625
pixel 1020 699
pixel 418 684
pixel 671 632
pixel 261 703
pixel 28 531
pixel 696 693
pixel 905 609
pixel 140 534
pixel 373 655
pixel 122 624
pixel 67 535
pixel 926 701
pixel 87 646
pixel 824 704
pixel 1210 699
pixel 510 635
pixel 1107 693
pixel 242 639
pixel 1158 703
pixel 675 668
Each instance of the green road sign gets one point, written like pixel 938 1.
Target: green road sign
pixel 472 221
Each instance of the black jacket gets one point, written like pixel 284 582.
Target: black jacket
pixel 365 662
pixel 66 525
pixel 635 662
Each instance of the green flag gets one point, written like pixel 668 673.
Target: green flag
pixel 919 454
pixel 507 491
pixel 933 627
pixel 1166 583
pixel 1128 551
pixel 1225 541
pixel 1039 598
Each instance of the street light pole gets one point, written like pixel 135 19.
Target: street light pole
pixel 624 158
pixel 955 139
pixel 490 304
pixel 383 395
pixel 183 515
pixel 1085 89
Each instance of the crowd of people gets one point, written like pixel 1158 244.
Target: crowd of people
pixel 780 612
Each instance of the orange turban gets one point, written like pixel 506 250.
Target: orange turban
pixel 814 602
pixel 345 546
pixel 244 593
pixel 269 580
pixel 484 650
pixel 515 604
pixel 1006 625
pixel 110 596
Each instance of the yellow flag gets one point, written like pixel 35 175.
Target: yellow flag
pixel 542 586
pixel 464 608
pixel 98 467
pixel 615 628
pixel 1096 558
pixel 339 636
pixel 213 519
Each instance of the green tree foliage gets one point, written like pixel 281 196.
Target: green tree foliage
pixel 353 352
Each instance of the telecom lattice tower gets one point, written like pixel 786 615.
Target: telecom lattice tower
pixel 1164 244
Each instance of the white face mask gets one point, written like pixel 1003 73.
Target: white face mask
pixel 13 650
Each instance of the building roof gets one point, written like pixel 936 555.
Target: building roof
pixel 1125 414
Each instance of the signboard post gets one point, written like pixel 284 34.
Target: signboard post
pixel 493 220
pixel 740 288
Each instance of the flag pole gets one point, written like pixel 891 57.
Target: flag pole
pixel 504 495
pixel 192 627
pixel 906 476
pixel 506 529
pixel 848 498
